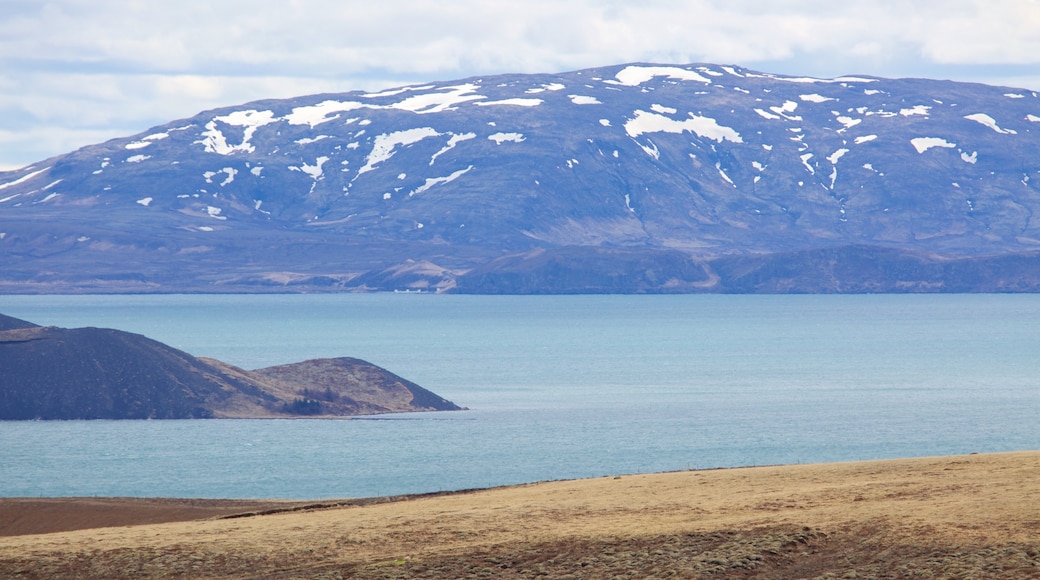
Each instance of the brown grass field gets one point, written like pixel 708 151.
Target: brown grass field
pixel 974 516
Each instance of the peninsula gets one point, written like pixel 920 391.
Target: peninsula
pixel 100 373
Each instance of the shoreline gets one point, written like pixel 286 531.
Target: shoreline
pixel 933 517
pixel 110 511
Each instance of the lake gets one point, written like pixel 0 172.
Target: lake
pixel 557 387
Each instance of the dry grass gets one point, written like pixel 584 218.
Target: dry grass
pixel 973 516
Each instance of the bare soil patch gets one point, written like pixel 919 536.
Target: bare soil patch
pixel 974 516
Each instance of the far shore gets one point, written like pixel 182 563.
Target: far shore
pixel 958 516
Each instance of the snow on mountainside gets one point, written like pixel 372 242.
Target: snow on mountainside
pixel 632 178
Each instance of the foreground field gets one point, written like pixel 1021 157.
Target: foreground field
pixel 975 516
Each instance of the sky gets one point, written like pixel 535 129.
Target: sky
pixel 77 72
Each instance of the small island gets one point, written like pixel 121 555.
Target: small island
pixel 50 373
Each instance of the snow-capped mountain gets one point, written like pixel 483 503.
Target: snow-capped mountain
pixel 631 178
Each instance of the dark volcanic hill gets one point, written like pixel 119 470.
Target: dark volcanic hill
pixel 10 323
pixel 630 178
pixel 97 373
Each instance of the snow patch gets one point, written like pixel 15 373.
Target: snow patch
pixel 444 100
pixel 1033 118
pixel 22 179
pixel 323 112
pixel 149 139
pixel 548 87
pixel 848 122
pixel 915 110
pixel 433 181
pixel 633 76
pixel 230 172
pixel 1014 96
pixel 500 138
pixel 973 158
pixel 309 140
pixel 814 98
pixel 606 122
pixel 145 201
pixel 214 212
pixel 315 171
pixel 137 158
pixel 706 127
pixel 394 92
pixel 923 144
pixel 584 100
pixel 834 157
pixel 718 166
pixel 454 140
pixel 990 122
pixel 812 80
pixel 383 147
pixel 805 161
pixel 663 109
pixel 516 102
pixel 865 139
pixel 767 115
pixel 214 141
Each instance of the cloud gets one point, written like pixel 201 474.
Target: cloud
pixel 113 68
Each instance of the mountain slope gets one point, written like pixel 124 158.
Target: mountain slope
pixel 98 373
pixel 457 186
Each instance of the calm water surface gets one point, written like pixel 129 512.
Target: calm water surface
pixel 557 386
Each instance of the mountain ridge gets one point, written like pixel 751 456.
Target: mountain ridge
pixel 677 170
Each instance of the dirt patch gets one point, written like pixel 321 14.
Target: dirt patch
pixel 22 516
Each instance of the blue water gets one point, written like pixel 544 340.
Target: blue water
pixel 557 386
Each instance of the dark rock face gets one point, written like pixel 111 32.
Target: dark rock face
pixel 630 178
pixel 96 373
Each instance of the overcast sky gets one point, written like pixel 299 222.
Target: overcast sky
pixel 74 72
